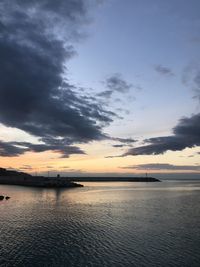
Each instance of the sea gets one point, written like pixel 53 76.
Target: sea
pixel 101 224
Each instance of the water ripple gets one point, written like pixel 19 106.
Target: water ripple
pixel 101 226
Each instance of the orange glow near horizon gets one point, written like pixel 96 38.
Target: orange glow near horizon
pixel 95 162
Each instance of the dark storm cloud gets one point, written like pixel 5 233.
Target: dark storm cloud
pixel 164 166
pixel 185 134
pixel 10 149
pixel 164 70
pixel 7 149
pixel 36 40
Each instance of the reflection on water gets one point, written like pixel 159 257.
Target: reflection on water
pixel 101 224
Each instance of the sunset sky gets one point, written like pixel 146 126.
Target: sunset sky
pixel 100 87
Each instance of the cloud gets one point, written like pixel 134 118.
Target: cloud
pixel 26 167
pixel 121 145
pixel 111 157
pixel 163 166
pixel 10 149
pixel 164 70
pixel 7 149
pixel 105 94
pixel 126 111
pixel 124 140
pixel 115 83
pixel 191 78
pixel 197 86
pixel 36 41
pixel 185 134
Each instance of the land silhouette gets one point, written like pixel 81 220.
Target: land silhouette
pixel 11 177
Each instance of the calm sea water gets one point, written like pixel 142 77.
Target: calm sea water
pixel 102 224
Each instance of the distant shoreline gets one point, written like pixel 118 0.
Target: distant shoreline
pixel 65 182
pixel 19 178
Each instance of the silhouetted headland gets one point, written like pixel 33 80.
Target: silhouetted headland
pixel 20 178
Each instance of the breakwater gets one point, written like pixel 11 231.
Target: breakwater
pixel 114 179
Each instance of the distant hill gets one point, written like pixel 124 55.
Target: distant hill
pixel 8 177
pixel 4 172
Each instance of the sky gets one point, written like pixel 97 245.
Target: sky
pixel 94 87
